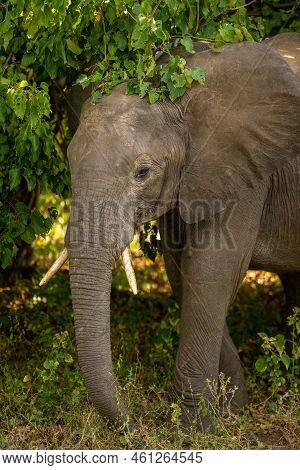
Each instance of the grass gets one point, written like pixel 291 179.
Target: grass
pixel 43 400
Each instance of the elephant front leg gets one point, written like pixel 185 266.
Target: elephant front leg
pixel 203 313
pixel 211 272
pixel 213 379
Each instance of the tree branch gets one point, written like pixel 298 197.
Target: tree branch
pixel 6 63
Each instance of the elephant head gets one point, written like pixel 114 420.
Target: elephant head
pixel 131 162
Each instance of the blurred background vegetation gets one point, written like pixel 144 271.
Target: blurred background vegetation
pixel 45 46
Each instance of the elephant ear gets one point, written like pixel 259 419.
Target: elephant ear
pixel 243 124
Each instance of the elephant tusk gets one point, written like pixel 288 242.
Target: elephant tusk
pixel 127 261
pixel 126 258
pixel 55 267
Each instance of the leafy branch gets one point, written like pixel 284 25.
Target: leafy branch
pixel 98 44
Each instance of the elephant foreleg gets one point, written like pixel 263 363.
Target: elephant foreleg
pixel 212 269
pixel 172 237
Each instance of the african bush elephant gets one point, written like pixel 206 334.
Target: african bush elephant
pixel 220 170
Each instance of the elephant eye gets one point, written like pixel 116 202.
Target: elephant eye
pixel 142 171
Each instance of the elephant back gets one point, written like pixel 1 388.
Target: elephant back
pixel 288 46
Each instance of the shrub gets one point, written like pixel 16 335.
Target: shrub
pixel 278 366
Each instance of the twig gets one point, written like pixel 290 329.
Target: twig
pixel 6 63
pixel 242 6
pixel 104 34
pixel 196 37
pixel 154 9
pixel 197 17
pixel 131 15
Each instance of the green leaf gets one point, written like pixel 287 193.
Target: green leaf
pixel 21 209
pixel 280 343
pixel 28 235
pixel 146 6
pixel 112 49
pixel 23 84
pixel 27 59
pixel 178 80
pixel 120 40
pixel 37 223
pixel 30 179
pixel 4 150
pixel 198 74
pixel 96 95
pixel 139 38
pixel 227 33
pixel 239 34
pixel 262 335
pixel 44 86
pixel 286 360
pixel 73 46
pixel 261 365
pixel 176 92
pixel 187 44
pixel 18 100
pixel 14 177
pixel 83 80
pixel 4 81
pixel 143 88
pixel 48 364
pixel 68 358
pixel 153 96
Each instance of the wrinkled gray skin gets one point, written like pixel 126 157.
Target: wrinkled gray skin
pixel 220 169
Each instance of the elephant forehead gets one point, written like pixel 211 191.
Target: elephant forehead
pixel 99 113
pixel 114 144
pixel 118 136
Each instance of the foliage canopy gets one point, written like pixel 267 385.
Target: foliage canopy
pixel 46 45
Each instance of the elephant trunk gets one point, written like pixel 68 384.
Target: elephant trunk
pixel 90 276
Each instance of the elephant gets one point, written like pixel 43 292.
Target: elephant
pixel 219 169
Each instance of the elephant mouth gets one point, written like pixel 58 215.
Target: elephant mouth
pixel 143 215
pixel 152 212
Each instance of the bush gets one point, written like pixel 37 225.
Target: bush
pixel 279 365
